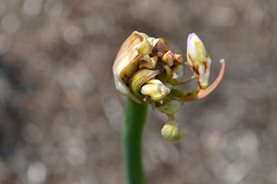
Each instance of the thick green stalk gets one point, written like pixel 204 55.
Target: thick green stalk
pixel 135 115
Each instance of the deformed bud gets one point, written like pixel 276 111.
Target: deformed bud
pixel 199 59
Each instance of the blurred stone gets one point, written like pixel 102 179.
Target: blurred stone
pixel 3 8
pixel 32 7
pixel 236 172
pixel 37 173
pixel 10 23
pixel 222 16
pixel 72 35
pixel 114 112
pixel 5 43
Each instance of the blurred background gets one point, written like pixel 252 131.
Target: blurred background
pixel 60 115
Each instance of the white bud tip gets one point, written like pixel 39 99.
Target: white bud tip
pixel 193 37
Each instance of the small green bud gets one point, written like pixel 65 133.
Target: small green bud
pixel 172 132
pixel 144 48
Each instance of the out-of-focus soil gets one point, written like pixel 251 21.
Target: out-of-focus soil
pixel 60 115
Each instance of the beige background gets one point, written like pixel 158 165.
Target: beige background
pixel 60 115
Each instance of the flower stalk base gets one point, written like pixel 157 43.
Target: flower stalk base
pixel 135 115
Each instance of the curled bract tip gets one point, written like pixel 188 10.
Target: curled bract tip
pixel 199 93
pixel 205 92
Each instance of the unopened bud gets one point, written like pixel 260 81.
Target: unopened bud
pixel 144 48
pixel 148 62
pixel 155 89
pixel 198 59
pixel 178 58
pixel 168 58
pixel 172 132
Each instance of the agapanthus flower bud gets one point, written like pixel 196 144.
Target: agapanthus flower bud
pixel 148 71
pixel 199 59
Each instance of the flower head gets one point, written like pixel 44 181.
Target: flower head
pixel 148 71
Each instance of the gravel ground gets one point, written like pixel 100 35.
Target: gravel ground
pixel 61 115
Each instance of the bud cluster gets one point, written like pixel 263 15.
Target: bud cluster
pixel 148 71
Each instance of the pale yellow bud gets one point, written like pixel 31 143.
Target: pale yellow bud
pixel 198 59
pixel 172 132
pixel 155 89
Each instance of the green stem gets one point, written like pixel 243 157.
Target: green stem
pixel 135 115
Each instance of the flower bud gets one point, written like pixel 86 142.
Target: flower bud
pixel 155 89
pixel 139 79
pixel 148 62
pixel 172 132
pixel 178 58
pixel 168 58
pixel 198 59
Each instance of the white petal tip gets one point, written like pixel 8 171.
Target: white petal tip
pixel 193 36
